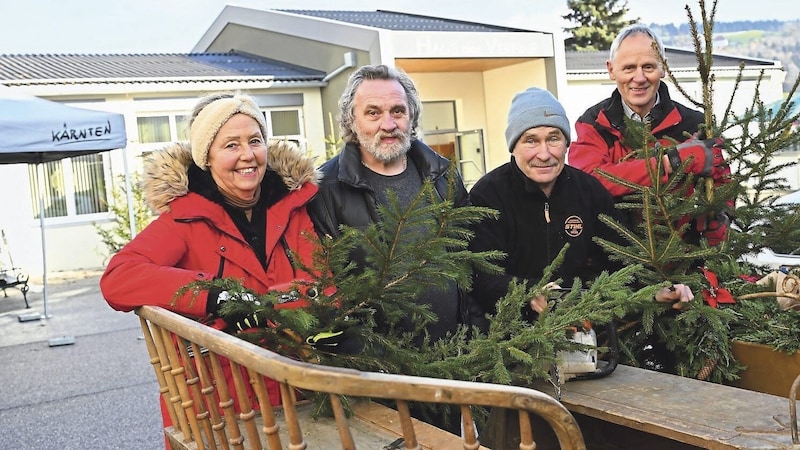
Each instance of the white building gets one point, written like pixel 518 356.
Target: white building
pixel 296 64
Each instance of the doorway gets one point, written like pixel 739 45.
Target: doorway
pixel 440 130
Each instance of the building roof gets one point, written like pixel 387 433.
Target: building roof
pixel 133 68
pixel 593 61
pixel 397 21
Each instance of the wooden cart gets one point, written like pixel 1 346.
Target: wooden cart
pixel 203 413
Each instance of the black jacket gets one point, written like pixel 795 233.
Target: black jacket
pixel 523 232
pixel 345 198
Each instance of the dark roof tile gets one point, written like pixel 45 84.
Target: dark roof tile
pixel 397 21
pixel 149 66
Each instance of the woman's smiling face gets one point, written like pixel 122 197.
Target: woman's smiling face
pixel 237 158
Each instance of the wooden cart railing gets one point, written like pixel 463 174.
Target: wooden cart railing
pixel 203 416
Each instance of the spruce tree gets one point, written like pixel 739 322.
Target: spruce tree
pixel 598 22
pixel 696 342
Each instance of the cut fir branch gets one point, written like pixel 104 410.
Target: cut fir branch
pixel 409 250
pixel 514 351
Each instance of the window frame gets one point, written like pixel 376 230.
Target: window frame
pixel 70 194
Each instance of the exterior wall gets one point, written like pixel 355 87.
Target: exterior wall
pixel 482 100
pixel 500 87
pixel 16 220
pixel 304 49
pixel 70 244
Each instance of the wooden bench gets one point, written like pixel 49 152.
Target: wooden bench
pixel 203 415
pixel 697 413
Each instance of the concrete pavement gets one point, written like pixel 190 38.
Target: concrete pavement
pixel 98 393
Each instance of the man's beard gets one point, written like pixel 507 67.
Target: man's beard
pixel 381 152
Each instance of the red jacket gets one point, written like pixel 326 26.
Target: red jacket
pixel 600 131
pixel 194 238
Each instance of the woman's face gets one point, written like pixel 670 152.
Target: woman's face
pixel 237 158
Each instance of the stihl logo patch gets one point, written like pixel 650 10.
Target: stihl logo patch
pixel 573 226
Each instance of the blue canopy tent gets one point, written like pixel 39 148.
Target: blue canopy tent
pixel 36 131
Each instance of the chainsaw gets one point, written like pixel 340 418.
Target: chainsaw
pixel 589 364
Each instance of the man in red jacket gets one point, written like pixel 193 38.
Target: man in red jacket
pixel 635 64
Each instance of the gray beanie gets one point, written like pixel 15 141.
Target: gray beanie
pixel 534 107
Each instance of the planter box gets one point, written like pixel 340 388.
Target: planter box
pixel 767 371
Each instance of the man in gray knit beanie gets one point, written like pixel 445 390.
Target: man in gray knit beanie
pixel 544 204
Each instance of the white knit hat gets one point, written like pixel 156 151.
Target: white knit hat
pixel 213 116
pixel 531 108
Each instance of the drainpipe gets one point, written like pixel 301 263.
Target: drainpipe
pixel 349 62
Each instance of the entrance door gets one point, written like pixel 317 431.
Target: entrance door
pixel 465 148
pixel 440 131
pixel 471 157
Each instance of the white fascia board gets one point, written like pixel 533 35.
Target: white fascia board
pixel 314 28
pixel 157 87
pixel 432 44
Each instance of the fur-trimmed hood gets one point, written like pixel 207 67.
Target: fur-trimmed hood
pixel 166 171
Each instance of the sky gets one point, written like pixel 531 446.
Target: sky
pixel 175 26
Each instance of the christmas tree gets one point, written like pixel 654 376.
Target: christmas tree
pixel 696 342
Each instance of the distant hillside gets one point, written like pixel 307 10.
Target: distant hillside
pixel 766 39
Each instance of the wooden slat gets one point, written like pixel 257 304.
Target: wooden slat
pixel 428 436
pixel 695 412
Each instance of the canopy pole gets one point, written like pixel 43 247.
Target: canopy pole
pixel 39 177
pixel 131 205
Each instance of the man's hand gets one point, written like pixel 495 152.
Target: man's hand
pixel 678 294
pixel 539 303
pixel 720 170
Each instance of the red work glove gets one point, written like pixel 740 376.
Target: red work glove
pixel 706 159
pixel 714 230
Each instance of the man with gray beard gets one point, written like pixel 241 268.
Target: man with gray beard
pixel 379 113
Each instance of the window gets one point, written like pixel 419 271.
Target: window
pixel 174 127
pixel 161 129
pixel 285 123
pixel 439 117
pixel 153 129
pixel 70 187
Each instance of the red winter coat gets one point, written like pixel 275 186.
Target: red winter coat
pixel 194 238
pixel 600 131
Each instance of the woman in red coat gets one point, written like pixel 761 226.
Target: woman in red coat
pixel 230 204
